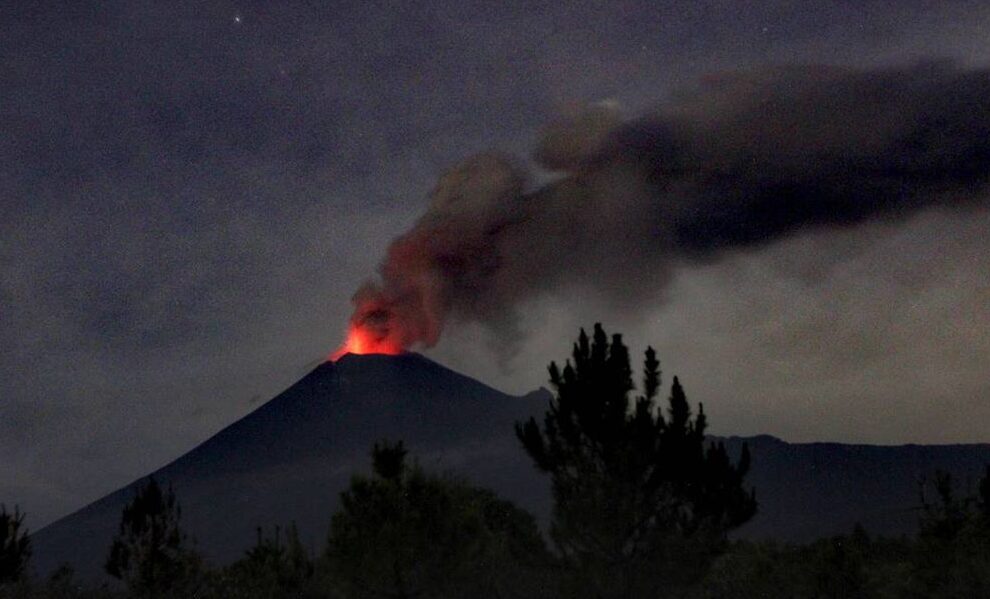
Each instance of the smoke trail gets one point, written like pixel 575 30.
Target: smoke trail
pixel 738 162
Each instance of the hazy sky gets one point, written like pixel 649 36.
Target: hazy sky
pixel 191 192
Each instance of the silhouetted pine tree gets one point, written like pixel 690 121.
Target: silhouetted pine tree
pixel 151 554
pixel 983 499
pixel 948 516
pixel 641 501
pixel 15 546
pixel 952 552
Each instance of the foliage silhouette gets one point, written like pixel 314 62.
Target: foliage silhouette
pixel 952 552
pixel 15 546
pixel 150 554
pixel 274 567
pixel 405 533
pixel 642 502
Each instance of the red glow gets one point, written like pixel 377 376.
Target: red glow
pixel 363 340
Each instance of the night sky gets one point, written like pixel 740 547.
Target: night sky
pixel 191 193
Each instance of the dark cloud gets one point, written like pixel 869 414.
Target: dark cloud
pixel 751 158
pixel 743 160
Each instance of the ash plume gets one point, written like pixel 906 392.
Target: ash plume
pixel 738 162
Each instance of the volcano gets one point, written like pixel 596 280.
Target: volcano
pixel 290 459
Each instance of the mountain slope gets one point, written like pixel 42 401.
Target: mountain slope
pixel 290 459
pixel 811 490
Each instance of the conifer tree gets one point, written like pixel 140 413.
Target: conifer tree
pixel 983 499
pixel 15 546
pixel 952 551
pixel 151 553
pixel 641 499
pixel 948 516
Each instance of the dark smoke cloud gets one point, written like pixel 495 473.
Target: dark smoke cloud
pixel 740 161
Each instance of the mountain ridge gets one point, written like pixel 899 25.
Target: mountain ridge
pixel 289 459
pixel 308 441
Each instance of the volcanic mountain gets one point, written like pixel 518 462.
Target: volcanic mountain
pixel 290 459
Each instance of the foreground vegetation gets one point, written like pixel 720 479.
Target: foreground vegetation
pixel 643 507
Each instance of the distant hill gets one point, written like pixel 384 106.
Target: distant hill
pixel 290 459
pixel 810 490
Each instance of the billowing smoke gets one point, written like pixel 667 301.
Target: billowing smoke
pixel 738 162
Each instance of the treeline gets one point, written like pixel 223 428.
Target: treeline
pixel 643 507
pixel 949 557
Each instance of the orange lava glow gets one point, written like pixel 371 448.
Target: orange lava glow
pixel 361 340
